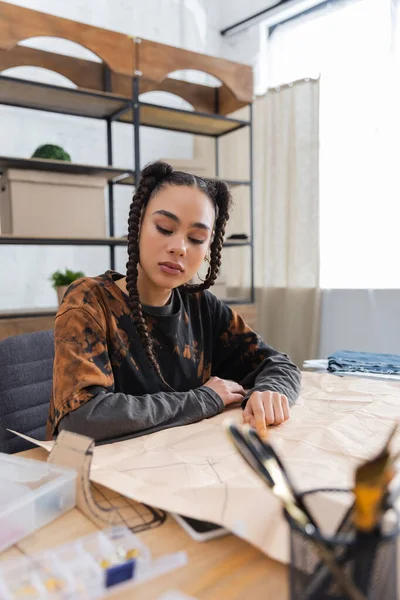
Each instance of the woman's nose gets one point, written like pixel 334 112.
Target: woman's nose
pixel 177 246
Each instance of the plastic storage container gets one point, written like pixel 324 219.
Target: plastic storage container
pixel 91 567
pixel 32 493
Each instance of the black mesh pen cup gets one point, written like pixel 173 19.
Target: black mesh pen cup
pixel 369 562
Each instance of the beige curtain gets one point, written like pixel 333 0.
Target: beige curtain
pixel 286 201
pixel 286 167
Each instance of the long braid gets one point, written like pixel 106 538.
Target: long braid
pixel 221 196
pixel 151 177
pixel 154 177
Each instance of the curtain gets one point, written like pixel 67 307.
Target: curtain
pixel 286 217
pixel 286 156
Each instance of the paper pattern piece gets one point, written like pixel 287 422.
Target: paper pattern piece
pixel 194 470
pixel 76 452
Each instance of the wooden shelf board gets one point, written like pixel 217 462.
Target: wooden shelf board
pixel 72 241
pixel 47 241
pixel 173 119
pixel 234 301
pixel 236 243
pixel 101 105
pixel 24 313
pixel 231 182
pixel 53 98
pixel 61 166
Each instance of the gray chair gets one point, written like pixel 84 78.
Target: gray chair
pixel 26 374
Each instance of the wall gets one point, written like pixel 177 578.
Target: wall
pixel 233 11
pixel 193 24
pixel 364 320
pixel 250 45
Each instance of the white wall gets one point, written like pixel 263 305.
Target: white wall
pixel 250 45
pixel 193 24
pixel 364 320
pixel 233 11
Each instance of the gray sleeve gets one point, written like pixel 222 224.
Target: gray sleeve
pixel 108 416
pixel 276 373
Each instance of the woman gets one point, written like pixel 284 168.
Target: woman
pixel 148 351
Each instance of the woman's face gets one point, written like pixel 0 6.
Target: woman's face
pixel 175 235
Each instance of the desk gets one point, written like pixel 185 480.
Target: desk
pixel 222 569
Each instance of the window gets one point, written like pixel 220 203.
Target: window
pixel 355 47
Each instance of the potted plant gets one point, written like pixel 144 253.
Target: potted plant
pixel 61 281
pixel 51 152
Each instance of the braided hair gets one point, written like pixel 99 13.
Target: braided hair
pixel 154 177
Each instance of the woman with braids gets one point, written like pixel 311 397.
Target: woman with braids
pixel 148 351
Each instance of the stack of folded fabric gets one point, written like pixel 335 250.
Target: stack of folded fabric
pixel 347 361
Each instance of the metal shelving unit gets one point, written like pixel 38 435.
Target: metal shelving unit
pixel 112 107
pixel 75 241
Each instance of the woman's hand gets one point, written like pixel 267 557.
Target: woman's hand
pixel 266 408
pixel 229 391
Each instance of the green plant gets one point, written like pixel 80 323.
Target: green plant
pixel 58 278
pixel 51 151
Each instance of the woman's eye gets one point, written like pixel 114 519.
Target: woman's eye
pixel 194 241
pixel 163 231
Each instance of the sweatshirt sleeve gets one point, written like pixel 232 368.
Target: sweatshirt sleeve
pixel 84 398
pixel 241 355
pixel 112 416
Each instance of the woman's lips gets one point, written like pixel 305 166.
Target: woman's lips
pixel 171 269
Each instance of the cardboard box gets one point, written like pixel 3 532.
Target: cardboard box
pixel 48 204
pixel 203 162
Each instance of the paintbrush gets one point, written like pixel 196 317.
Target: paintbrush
pixel 371 489
pixel 250 455
pixel 266 452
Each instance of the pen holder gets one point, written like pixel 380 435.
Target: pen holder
pixel 369 561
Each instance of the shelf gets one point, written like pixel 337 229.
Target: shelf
pixel 121 176
pixel 102 105
pixel 25 313
pixel 28 313
pixel 54 98
pixel 112 174
pixel 173 119
pixel 233 244
pixel 11 239
pixel 230 182
pixel 236 300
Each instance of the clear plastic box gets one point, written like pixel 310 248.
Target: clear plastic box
pixel 91 567
pixel 32 493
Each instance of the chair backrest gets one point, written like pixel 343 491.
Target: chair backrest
pixel 26 374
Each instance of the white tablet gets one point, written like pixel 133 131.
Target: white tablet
pixel 201 531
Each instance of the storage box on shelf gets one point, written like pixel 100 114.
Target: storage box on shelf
pixel 40 203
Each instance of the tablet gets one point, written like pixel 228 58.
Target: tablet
pixel 201 531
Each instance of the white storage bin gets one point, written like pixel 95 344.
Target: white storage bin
pixel 32 493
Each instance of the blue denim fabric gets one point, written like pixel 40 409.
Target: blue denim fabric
pixel 367 362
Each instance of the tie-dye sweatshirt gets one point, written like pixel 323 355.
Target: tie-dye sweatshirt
pixel 104 385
